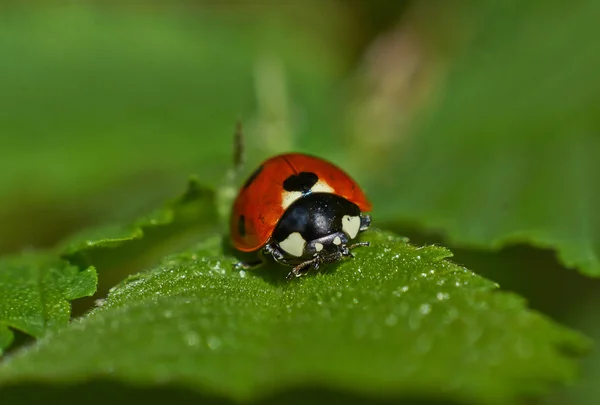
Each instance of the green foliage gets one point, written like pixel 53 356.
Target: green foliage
pixel 587 389
pixel 35 290
pixel 106 111
pixel 102 120
pixel 396 320
pixel 161 68
pixel 509 152
pixel 194 210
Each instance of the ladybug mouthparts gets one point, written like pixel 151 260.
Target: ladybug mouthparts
pixel 329 249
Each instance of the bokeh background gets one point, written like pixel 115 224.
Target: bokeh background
pixel 106 108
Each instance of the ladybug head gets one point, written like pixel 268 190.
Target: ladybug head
pixel 316 229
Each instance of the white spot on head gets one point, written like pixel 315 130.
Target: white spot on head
pixel 318 246
pixel 293 244
pixel 351 225
pixel 321 187
pixel 289 197
pixel 337 241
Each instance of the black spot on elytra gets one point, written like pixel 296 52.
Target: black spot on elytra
pixel 302 181
pixel 253 176
pixel 242 225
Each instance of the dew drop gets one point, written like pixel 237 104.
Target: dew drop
pixel 523 349
pixel 242 274
pixel 391 320
pixel 192 338
pixel 425 309
pixel 404 289
pixel 442 296
pixel 213 342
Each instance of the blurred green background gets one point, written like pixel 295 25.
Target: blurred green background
pixel 107 107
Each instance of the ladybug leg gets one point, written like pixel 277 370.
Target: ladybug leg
pixel 357 244
pixel 247 265
pixel 260 260
pixel 346 250
pixel 275 253
pixel 298 270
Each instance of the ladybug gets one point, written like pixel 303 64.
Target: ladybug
pixel 301 210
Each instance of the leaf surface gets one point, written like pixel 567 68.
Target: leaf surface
pixel 509 150
pixel 35 288
pixel 394 321
pixel 193 210
pixel 35 293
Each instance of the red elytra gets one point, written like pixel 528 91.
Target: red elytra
pixel 262 200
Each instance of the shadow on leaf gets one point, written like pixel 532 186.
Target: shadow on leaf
pixel 102 392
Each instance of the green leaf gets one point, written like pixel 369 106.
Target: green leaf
pixel 587 390
pixel 395 321
pixel 509 152
pixel 194 209
pixel 35 290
